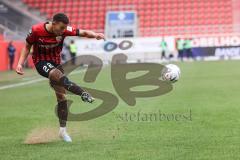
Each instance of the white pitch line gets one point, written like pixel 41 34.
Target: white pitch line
pixel 21 84
pixel 31 82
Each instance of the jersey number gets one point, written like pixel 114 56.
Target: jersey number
pixel 46 68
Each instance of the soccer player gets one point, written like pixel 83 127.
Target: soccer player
pixel 47 41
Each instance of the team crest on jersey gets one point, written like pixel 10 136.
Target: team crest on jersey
pixel 59 38
pixel 69 28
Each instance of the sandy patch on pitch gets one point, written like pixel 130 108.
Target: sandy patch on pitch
pixel 42 135
pixel 78 131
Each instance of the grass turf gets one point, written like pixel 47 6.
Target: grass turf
pixel 210 90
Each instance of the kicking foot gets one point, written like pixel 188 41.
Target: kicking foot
pixel 64 135
pixel 86 97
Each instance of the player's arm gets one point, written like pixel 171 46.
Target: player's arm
pixel 91 34
pixel 23 58
pixel 71 31
pixel 30 39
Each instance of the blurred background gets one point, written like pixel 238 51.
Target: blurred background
pixel 151 30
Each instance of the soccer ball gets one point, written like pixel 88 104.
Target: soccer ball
pixel 171 73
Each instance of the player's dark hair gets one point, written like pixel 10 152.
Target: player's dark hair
pixel 61 17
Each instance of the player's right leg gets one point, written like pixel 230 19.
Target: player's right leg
pixel 60 83
pixel 62 112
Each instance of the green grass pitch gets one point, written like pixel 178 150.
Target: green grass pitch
pixel 210 90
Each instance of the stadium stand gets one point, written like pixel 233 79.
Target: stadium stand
pixel 1 37
pixel 14 24
pixel 156 17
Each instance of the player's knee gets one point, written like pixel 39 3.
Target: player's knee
pixel 65 82
pixel 61 97
pixel 55 74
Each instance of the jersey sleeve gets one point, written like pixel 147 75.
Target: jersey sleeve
pixel 71 31
pixel 31 36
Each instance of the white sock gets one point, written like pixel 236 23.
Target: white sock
pixel 63 129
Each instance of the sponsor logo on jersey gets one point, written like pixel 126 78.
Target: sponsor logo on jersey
pixel 49 46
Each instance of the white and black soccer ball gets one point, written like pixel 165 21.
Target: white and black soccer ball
pixel 171 73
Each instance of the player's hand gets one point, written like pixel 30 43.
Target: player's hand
pixel 19 69
pixel 100 36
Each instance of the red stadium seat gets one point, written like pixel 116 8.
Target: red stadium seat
pixel 159 15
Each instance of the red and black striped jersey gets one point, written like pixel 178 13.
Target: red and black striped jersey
pixel 46 45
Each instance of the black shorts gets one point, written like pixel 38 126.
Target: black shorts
pixel 44 67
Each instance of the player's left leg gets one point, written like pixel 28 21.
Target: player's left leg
pixel 57 76
pixel 62 112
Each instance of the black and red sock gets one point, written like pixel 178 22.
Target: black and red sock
pixel 62 111
pixel 70 86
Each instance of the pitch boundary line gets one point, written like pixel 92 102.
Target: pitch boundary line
pixel 31 82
